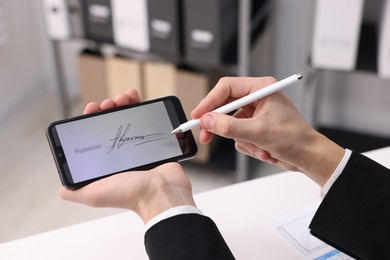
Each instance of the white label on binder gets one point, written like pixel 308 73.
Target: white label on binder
pixel 161 29
pixel 99 11
pixel 202 38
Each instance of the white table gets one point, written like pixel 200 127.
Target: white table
pixel 247 214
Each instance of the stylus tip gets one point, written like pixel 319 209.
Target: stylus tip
pixel 177 130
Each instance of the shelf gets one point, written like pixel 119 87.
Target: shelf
pixel 357 141
pixel 252 20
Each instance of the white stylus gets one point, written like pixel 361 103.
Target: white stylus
pixel 262 93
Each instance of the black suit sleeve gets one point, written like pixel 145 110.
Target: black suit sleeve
pixel 355 214
pixel 188 236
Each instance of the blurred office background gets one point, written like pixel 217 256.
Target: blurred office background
pixel 56 55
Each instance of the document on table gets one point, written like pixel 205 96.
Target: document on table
pixel 294 230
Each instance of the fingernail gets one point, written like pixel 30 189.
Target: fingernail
pixel 208 122
pixel 258 154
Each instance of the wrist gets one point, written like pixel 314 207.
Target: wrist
pixel 162 195
pixel 322 156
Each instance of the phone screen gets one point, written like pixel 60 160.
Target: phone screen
pixel 136 137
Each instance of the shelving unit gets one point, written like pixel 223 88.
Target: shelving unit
pixel 351 106
pixel 242 164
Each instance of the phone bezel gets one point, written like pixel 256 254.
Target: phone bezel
pixel 176 115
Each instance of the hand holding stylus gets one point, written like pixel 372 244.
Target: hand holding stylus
pixel 270 129
pixel 243 101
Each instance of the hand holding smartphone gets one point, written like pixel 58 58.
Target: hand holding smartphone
pixel 133 137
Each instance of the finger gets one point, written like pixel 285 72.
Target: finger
pixel 241 148
pixel 122 100
pixel 107 104
pixel 133 95
pixel 246 148
pixel 91 107
pixel 94 194
pixel 265 156
pixel 249 148
pixel 254 152
pixel 69 195
pixel 227 126
pixel 228 89
pixel 86 196
pixel 205 137
pixel 219 95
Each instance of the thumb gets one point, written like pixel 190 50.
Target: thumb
pixel 224 125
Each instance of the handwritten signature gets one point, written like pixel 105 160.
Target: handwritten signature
pixel 121 138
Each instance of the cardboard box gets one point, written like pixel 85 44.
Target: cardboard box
pixel 92 74
pixel 159 79
pixel 122 74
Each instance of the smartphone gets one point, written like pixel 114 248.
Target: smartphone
pixel 134 137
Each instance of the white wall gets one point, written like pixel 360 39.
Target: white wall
pixel 25 57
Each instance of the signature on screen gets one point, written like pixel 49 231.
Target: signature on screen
pixel 122 137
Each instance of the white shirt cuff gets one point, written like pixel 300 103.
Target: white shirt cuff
pixel 171 213
pixel 336 173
